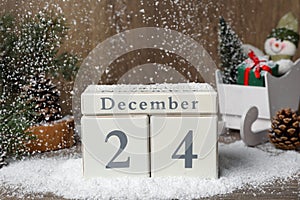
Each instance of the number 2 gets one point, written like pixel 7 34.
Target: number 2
pixel 123 143
pixel 188 155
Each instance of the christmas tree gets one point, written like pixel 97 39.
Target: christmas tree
pixel 29 51
pixel 230 51
pixel 31 46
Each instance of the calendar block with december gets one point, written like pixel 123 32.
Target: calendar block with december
pixel 184 98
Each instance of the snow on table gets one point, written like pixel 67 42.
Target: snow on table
pixel 240 166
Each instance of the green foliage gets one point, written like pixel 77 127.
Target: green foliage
pixel 7 40
pixel 31 46
pixel 230 51
pixel 15 118
pixel 69 67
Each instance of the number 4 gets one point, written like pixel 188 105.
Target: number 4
pixel 188 155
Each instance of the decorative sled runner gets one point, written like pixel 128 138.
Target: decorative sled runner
pixel 250 108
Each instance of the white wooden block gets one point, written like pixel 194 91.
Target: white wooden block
pixel 187 98
pixel 115 146
pixel 184 146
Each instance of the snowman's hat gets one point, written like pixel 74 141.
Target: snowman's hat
pixel 287 29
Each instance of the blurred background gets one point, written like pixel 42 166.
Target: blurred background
pixel 92 21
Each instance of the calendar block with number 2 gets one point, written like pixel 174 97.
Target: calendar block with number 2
pixel 116 146
pixel 150 130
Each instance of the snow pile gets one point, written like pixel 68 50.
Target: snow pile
pixel 239 166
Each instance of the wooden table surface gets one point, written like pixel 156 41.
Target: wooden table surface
pixel 289 190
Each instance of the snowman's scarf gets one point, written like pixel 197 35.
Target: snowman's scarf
pixel 280 57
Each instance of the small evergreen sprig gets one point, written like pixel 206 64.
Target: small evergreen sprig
pixel 230 51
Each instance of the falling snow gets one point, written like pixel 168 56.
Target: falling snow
pixel 240 166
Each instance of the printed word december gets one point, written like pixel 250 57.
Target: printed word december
pixel 108 103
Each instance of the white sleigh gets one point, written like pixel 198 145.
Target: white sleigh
pixel 250 108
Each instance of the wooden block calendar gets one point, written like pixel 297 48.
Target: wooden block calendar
pixel 150 130
pixel 183 146
pixel 116 146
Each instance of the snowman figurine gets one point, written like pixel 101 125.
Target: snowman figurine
pixel 282 43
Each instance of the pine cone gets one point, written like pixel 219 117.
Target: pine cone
pixel 285 131
pixel 44 94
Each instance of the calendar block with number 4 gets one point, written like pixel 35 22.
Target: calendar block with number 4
pixel 183 146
